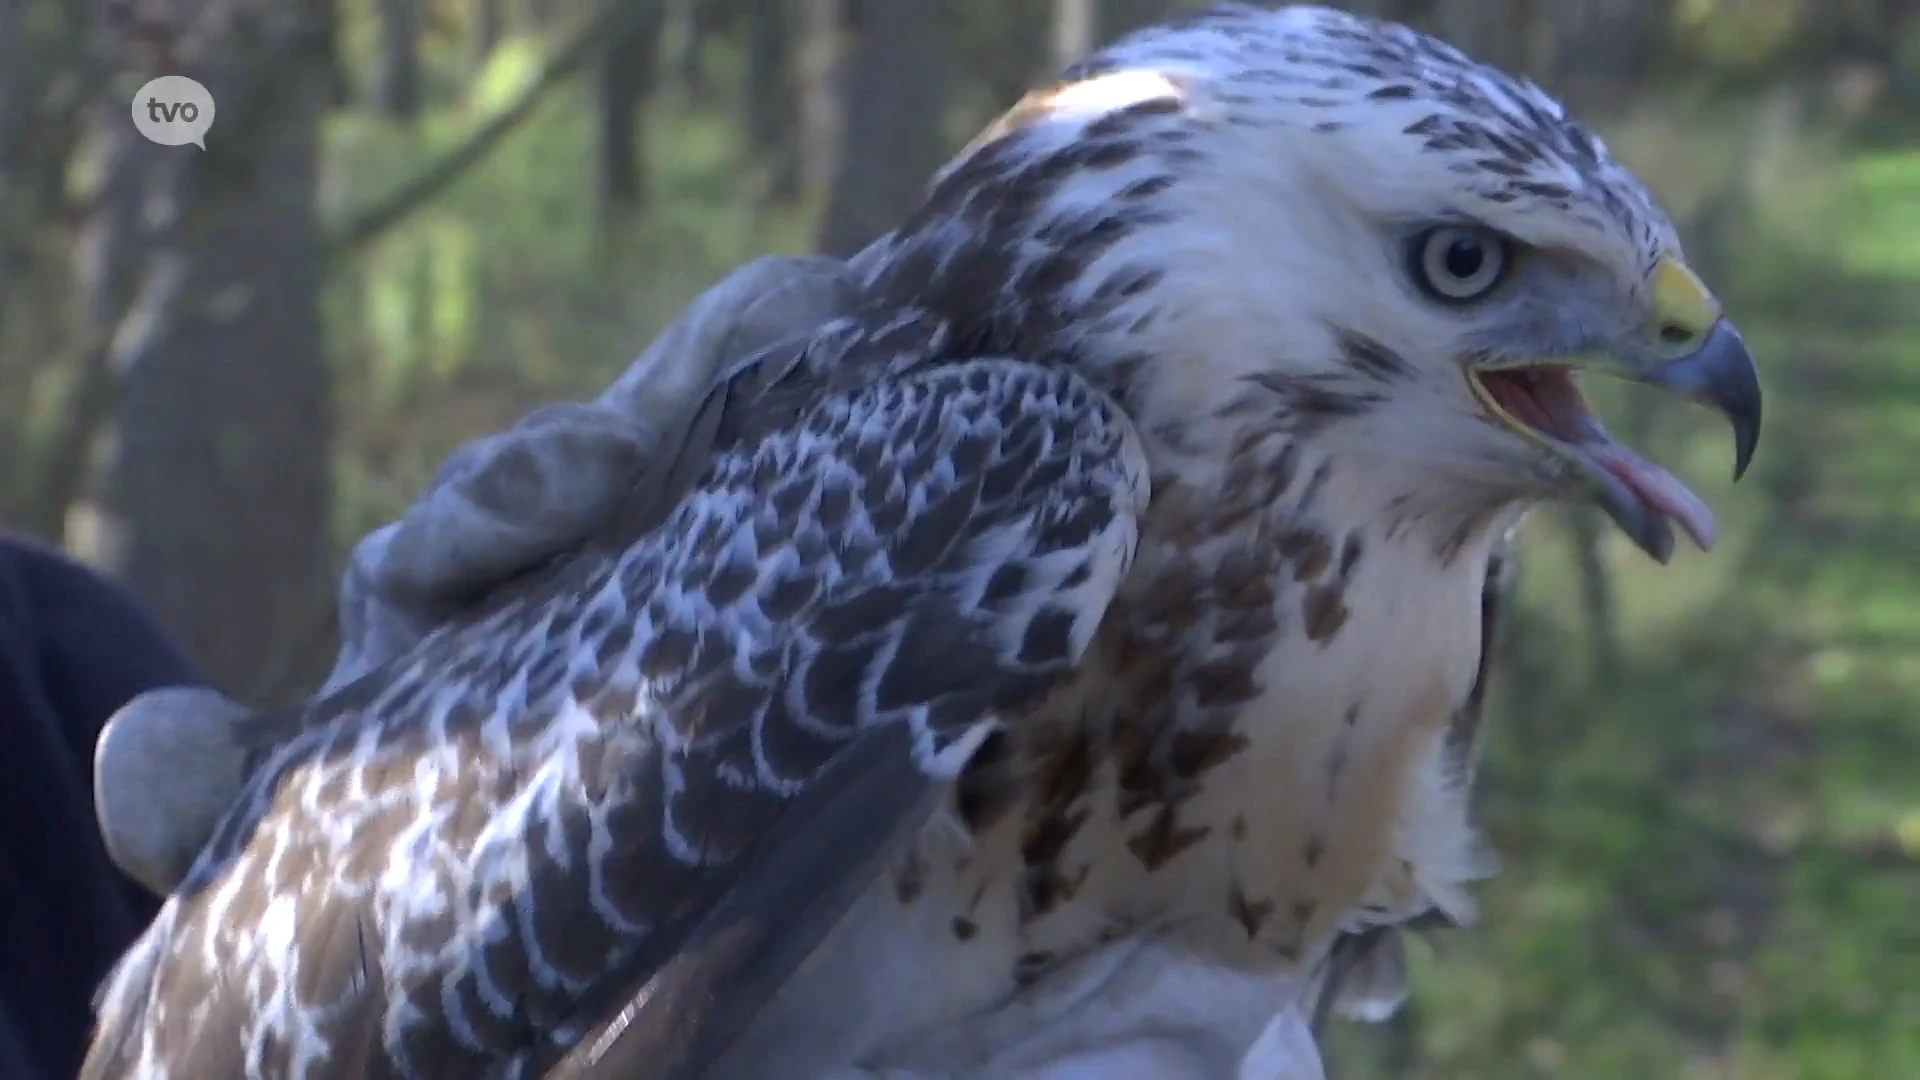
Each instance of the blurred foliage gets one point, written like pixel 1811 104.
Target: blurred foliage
pixel 507 291
pixel 1712 858
pixel 1738 34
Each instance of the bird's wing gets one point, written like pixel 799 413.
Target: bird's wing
pixel 598 827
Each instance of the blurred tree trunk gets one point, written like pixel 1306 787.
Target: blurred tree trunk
pixel 1529 657
pixel 46 415
pixel 1010 53
pixel 893 141
pixel 1073 30
pixel 773 120
pixel 16 216
pixel 1497 32
pixel 1596 595
pixel 1598 51
pixel 489 24
pixel 16 213
pixel 1121 17
pixel 818 29
pixel 398 87
pixel 216 491
pixel 1080 26
pixel 627 72
pixel 705 21
pixel 13 85
pixel 1411 12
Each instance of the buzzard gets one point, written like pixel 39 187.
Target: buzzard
pixel 1108 585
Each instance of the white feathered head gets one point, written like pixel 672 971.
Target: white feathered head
pixel 1350 230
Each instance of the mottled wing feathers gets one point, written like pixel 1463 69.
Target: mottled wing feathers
pixel 997 596
pixel 535 813
pixel 791 891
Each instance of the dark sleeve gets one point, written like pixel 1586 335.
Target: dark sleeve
pixel 99 646
pixel 14 1057
pixel 73 649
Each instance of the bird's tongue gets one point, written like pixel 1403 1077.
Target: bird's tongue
pixel 1657 488
pixel 1550 401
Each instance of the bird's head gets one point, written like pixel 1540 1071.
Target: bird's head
pixel 1352 230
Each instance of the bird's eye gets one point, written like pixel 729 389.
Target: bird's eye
pixel 1457 264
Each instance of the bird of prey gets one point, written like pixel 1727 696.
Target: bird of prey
pixel 1113 577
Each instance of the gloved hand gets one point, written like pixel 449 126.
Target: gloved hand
pixel 503 503
pixel 169 762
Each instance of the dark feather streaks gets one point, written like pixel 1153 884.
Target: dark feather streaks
pixel 915 551
pixel 993 252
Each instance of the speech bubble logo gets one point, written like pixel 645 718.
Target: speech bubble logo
pixel 173 110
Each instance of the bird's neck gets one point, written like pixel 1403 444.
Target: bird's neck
pixel 1254 486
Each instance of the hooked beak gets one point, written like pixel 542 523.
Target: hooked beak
pixel 1690 350
pixel 1707 360
pixel 1719 373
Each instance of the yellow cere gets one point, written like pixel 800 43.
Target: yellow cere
pixel 1681 299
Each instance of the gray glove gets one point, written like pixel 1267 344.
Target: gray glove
pixel 169 762
pixel 503 503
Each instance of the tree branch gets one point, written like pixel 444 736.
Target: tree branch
pixel 613 22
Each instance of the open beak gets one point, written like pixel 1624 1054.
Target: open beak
pixel 1691 350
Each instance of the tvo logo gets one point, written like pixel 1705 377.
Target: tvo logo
pixel 173 110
